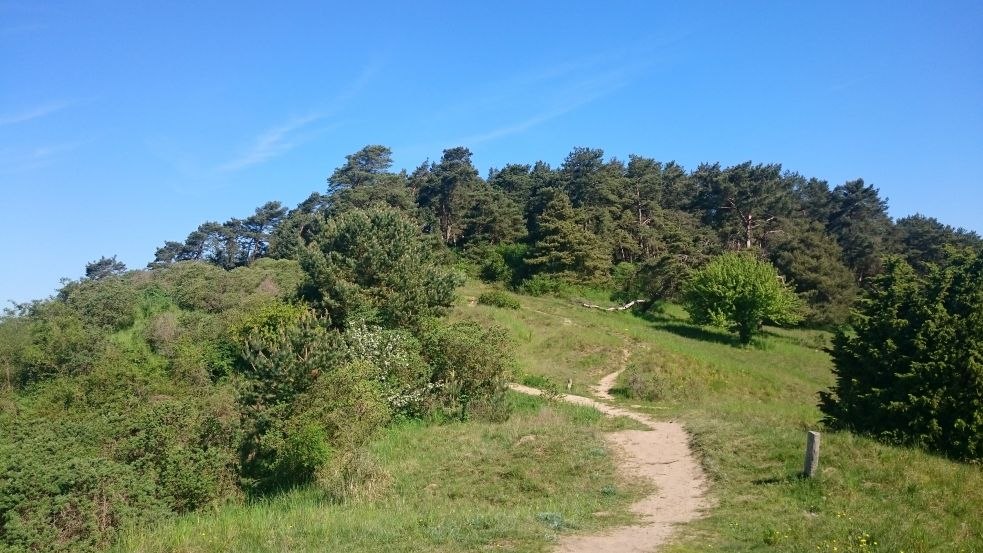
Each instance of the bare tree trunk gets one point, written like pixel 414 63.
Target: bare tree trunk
pixel 622 308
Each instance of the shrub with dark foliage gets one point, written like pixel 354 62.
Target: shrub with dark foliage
pixel 497 298
pixel 911 370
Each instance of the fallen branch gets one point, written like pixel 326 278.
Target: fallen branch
pixel 622 308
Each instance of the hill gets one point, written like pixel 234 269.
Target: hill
pixel 746 409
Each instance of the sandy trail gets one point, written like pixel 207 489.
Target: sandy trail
pixel 661 455
pixel 603 388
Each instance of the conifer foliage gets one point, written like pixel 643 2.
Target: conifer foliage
pixel 911 370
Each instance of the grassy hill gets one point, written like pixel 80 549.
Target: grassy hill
pixel 517 485
pixel 748 410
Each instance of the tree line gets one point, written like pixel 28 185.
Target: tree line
pixel 641 226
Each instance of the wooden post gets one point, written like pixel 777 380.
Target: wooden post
pixel 812 455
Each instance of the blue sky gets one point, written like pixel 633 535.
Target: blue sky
pixel 123 124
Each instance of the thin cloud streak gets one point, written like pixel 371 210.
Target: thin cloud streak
pixel 36 158
pixel 565 98
pixel 282 138
pixel 552 91
pixel 594 90
pixel 33 113
pixel 271 143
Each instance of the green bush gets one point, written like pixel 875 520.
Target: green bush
pixel 196 285
pixel 317 431
pixel 739 292
pixel 110 302
pixel 186 448
pixel 497 298
pixel 911 368
pixel 282 350
pixel 92 454
pixel 398 367
pixel 55 496
pixel 472 365
pixel 505 263
pixel 543 284
pixel 62 343
pixel 377 267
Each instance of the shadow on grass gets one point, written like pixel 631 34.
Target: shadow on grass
pixel 699 333
pixel 678 327
pixel 819 342
pixel 796 477
pixel 620 391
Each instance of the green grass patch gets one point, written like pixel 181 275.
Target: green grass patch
pixel 747 409
pixel 468 486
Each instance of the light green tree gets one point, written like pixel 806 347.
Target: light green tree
pixel 739 292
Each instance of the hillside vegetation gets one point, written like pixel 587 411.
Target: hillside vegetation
pixel 317 375
pixel 748 410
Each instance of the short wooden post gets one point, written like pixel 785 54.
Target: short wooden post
pixel 812 455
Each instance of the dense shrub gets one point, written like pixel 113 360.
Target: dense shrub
pixel 96 453
pixel 544 284
pixel 397 366
pixel 109 302
pixel 472 365
pixel 283 348
pixel 56 496
pixel 497 298
pixel 62 343
pixel 505 263
pixel 186 448
pixel 377 267
pixel 911 368
pixel 15 336
pixel 197 285
pixel 739 292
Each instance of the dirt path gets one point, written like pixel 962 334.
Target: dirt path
pixel 661 455
pixel 603 388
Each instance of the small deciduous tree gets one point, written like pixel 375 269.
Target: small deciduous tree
pixel 739 292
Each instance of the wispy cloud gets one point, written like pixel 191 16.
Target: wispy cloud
pixel 32 113
pixel 843 85
pixel 570 98
pixel 49 151
pixel 537 96
pixel 286 136
pixel 271 143
pixel 21 161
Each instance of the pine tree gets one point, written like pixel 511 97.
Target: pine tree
pixel 564 247
pixel 911 368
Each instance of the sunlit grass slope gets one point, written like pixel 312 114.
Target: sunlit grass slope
pixel 470 486
pixel 748 410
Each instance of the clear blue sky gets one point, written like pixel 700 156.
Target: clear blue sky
pixel 123 124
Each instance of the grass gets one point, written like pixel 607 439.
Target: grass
pixel 747 410
pixel 519 485
pixel 471 486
